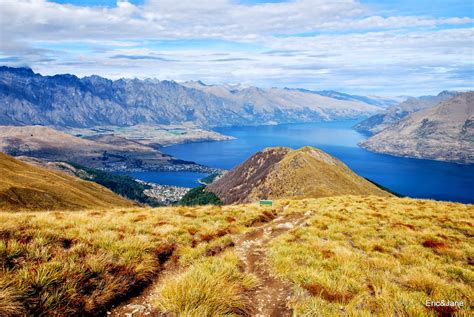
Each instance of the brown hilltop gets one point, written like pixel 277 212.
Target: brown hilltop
pixel 285 173
pixel 27 187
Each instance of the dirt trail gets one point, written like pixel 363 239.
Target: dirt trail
pixel 269 298
pixel 142 305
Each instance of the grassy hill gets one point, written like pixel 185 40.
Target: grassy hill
pixel 277 173
pixel 122 185
pixel 351 255
pixel 369 256
pixel 27 187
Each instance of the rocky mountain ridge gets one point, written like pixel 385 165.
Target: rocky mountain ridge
pixel 444 132
pixel 29 98
pixel 393 114
pixel 371 100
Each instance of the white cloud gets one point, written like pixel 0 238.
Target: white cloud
pixel 346 45
pixel 224 19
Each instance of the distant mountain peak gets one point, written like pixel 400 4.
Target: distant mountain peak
pixel 394 114
pixel 65 79
pixel 371 100
pixel 444 132
pixel 448 93
pixel 17 70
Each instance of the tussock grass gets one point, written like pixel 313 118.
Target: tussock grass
pixel 81 262
pixel 357 256
pixel 10 300
pixel 211 287
pixel 378 257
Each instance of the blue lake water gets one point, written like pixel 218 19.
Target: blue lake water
pixel 181 179
pixel 409 177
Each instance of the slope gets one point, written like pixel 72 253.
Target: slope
pixel 285 105
pixel 110 152
pixel 392 115
pixel 28 187
pixel 445 133
pixel 283 173
pixel 359 255
pixel 371 100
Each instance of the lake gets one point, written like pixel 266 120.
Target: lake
pixel 181 179
pixel 409 177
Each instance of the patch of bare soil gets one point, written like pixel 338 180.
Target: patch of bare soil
pixel 142 305
pixel 271 296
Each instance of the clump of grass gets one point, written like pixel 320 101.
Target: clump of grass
pixel 372 256
pixel 79 263
pixel 10 299
pixel 189 254
pixel 213 286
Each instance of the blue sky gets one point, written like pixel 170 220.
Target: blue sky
pixel 435 8
pixel 395 47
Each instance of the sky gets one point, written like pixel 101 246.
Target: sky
pixel 387 48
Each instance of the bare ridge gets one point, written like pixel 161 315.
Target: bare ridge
pixel 280 172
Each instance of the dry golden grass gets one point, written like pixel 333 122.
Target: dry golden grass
pixel 211 287
pixel 80 262
pixel 378 257
pixel 358 256
pixel 28 187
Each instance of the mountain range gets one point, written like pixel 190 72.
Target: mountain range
pixel 121 123
pixel 371 100
pixel 444 132
pixel 281 172
pixel 395 113
pixel 29 98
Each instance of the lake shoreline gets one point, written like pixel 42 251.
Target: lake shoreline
pixel 415 178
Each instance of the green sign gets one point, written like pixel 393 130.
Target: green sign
pixel 266 202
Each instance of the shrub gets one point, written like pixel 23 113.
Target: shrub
pixel 199 196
